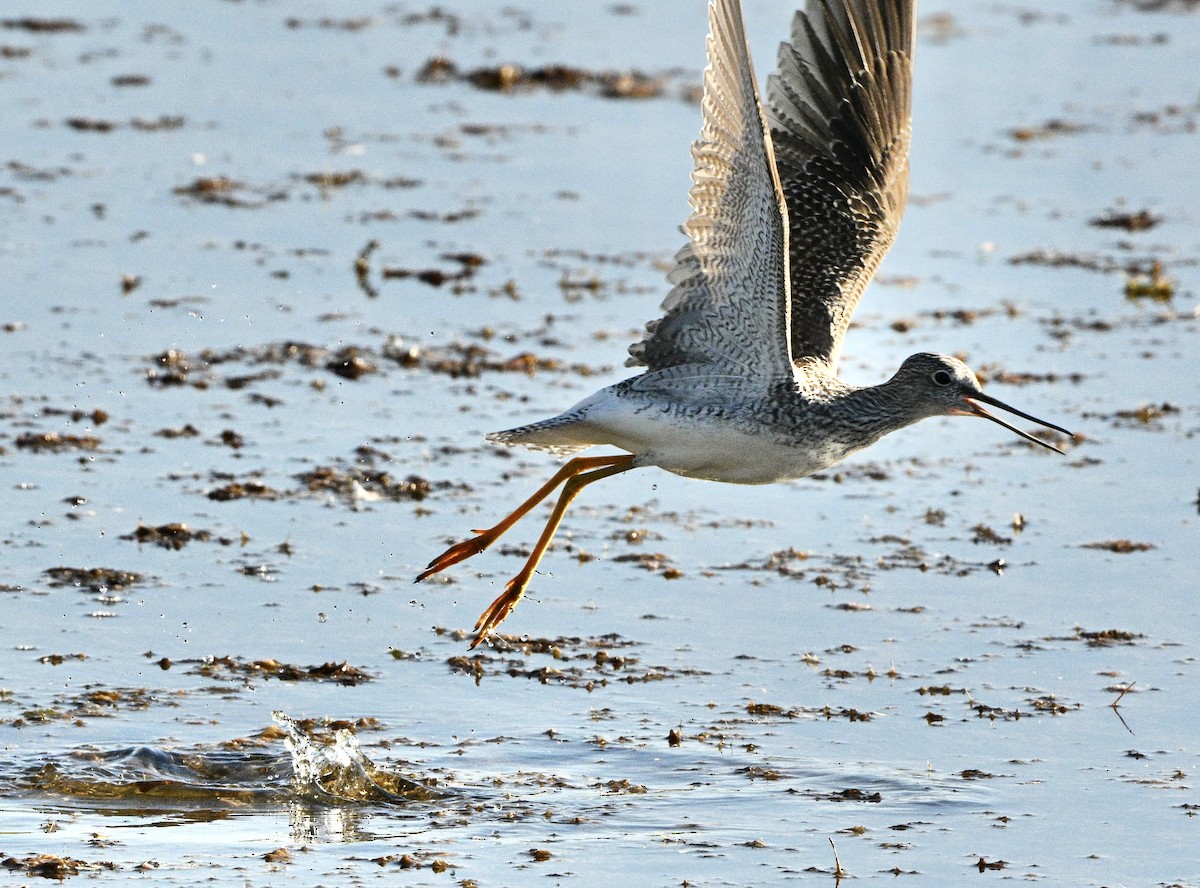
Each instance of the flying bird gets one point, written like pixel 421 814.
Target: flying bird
pixel 794 204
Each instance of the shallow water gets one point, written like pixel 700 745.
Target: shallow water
pixel 719 680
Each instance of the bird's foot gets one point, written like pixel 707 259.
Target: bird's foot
pixel 499 609
pixel 460 552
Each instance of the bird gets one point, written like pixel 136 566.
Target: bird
pixel 794 202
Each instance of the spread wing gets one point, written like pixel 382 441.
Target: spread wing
pixel 839 110
pixel 729 307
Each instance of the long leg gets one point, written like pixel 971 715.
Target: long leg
pixel 515 588
pixel 484 538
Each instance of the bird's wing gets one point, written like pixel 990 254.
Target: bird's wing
pixel 728 308
pixel 839 112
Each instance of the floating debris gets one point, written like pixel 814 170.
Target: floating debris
pixel 1060 259
pixel 55 442
pixel 585 663
pixel 510 77
pixel 43 25
pixel 976 774
pixel 1141 220
pixel 1152 284
pixel 380 483
pixel 227 667
pixel 771 710
pixel 349 363
pixel 468 265
pixel 1161 5
pixel 1121 547
pixel 850 794
pixel 170 536
pixel 228 192
pixel 1143 415
pixel 984 534
pixel 655 562
pixel 329 180
pixel 171 368
pixel 940 691
pixel 1048 130
pixel 992 373
pixel 51 866
pixel 461 360
pixel 59 659
pixel 1106 637
pixel 97 125
pixel 243 489
pixel 95 579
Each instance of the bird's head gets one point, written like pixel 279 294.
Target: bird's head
pixel 939 385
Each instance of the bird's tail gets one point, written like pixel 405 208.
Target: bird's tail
pixel 562 436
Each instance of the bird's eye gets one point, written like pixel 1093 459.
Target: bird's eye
pixel 942 377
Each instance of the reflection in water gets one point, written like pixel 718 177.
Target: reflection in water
pixel 313 824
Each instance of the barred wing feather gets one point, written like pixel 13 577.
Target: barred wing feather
pixel 839 115
pixel 729 306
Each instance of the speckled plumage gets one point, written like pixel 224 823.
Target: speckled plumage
pixel 792 212
pixel 793 208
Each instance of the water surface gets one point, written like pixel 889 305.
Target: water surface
pixel 268 281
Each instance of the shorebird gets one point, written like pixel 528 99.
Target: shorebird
pixel 794 203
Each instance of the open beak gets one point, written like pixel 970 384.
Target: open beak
pixel 974 408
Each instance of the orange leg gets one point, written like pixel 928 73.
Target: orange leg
pixel 515 588
pixel 484 538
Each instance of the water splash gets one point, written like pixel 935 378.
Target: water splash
pixel 318 768
pixel 333 767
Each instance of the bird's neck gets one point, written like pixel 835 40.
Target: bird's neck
pixel 870 412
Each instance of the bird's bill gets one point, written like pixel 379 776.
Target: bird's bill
pixel 974 408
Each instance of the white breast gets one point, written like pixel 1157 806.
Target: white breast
pixel 700 445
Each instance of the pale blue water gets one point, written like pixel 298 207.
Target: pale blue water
pixel 1028 764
